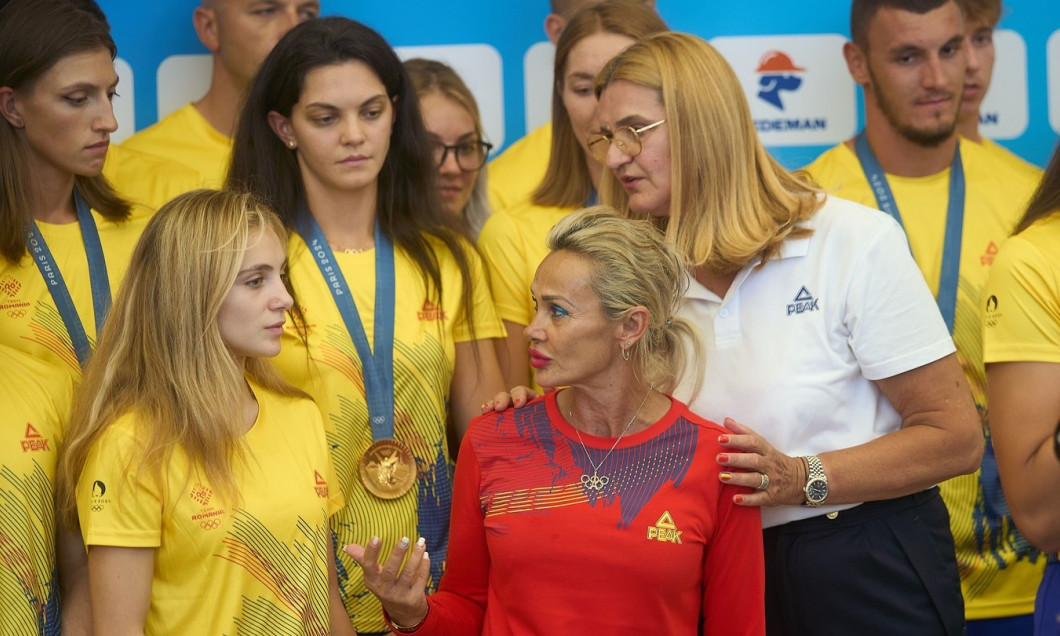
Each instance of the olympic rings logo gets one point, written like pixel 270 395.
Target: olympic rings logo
pixel 97 508
pixel 210 524
pixel 16 313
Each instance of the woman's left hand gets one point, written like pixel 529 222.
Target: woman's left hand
pixel 400 590
pixel 782 476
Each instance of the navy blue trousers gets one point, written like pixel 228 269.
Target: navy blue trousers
pixel 884 567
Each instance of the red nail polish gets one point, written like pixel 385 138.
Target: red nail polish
pixel 724 439
pixel 738 499
pixel 723 458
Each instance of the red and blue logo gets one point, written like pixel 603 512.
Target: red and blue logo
pixel 777 73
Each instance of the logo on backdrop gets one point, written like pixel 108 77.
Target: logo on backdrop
pixel 797 86
pixel 777 73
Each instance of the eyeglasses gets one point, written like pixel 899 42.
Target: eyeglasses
pixel 626 138
pixel 470 155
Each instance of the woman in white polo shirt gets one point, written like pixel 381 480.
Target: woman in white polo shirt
pixel 826 355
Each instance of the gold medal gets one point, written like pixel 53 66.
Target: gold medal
pixel 388 469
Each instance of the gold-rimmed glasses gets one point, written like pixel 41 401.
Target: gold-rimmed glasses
pixel 627 138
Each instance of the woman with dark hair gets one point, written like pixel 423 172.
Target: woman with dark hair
pixel 1021 348
pixel 393 343
pixel 65 240
pixel 57 81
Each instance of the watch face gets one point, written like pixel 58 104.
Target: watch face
pixel 817 490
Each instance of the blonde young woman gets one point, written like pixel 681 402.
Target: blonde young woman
pixel 596 509
pixel 827 357
pixel 513 241
pixel 201 480
pixel 451 117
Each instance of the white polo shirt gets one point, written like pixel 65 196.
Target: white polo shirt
pixel 793 348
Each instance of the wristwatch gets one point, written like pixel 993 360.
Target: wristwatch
pixel 816 482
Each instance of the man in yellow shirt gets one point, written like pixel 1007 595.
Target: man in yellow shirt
pixel 957 203
pixel 980 20
pixel 239 34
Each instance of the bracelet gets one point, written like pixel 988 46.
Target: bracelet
pixel 411 629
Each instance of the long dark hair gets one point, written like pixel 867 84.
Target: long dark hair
pixel 408 209
pixel 1046 199
pixel 34 36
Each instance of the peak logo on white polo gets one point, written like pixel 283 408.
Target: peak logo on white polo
pixel 803 302
pixel 798 87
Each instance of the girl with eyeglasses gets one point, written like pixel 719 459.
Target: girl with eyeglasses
pixel 394 336
pixel 454 129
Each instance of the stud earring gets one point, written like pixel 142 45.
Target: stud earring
pixel 290 144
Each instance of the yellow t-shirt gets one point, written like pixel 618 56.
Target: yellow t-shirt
pixel 259 567
pixel 35 403
pixel 1012 161
pixel 999 570
pixel 516 172
pixel 29 321
pixel 513 243
pixel 147 180
pixel 1021 319
pixel 329 369
pixel 184 136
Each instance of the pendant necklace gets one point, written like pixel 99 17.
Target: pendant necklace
pixel 351 250
pixel 595 481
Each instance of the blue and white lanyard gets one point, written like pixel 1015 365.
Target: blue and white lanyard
pixel 951 249
pixel 376 361
pixel 97 276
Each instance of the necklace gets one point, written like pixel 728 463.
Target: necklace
pixel 595 482
pixel 352 250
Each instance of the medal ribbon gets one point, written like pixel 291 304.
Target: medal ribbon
pixel 53 278
pixel 951 249
pixel 378 367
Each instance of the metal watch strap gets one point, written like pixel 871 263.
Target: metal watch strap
pixel 815 472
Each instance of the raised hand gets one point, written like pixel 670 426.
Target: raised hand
pixel 399 589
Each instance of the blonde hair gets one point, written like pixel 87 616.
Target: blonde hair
pixel 567 183
pixel 731 202
pixel 161 355
pixel 433 77
pixel 632 265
